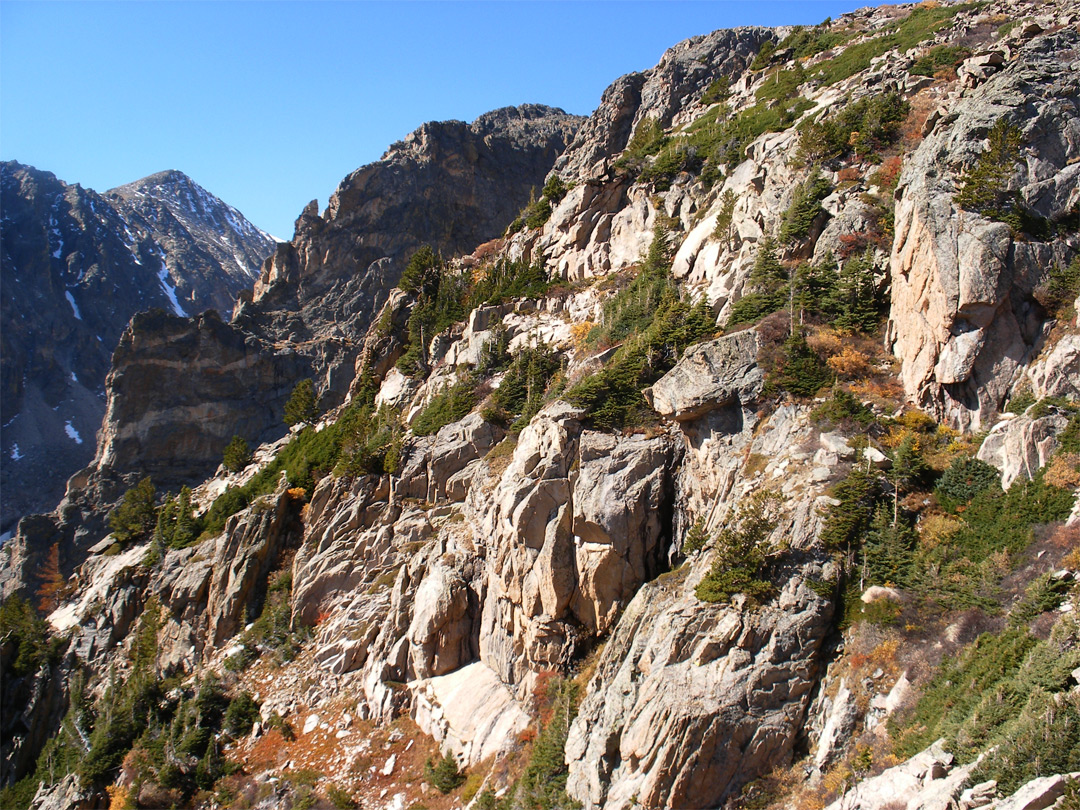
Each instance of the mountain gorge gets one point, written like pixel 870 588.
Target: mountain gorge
pixel 76 266
pixel 718 450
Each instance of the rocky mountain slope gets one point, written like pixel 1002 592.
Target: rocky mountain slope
pixel 76 266
pixel 740 471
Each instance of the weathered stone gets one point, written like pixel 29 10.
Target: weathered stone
pixel 1019 447
pixel 710 375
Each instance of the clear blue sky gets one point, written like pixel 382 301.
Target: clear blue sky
pixel 269 105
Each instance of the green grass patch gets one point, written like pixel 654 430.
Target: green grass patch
pixel 921 24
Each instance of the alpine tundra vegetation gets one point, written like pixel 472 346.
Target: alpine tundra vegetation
pixel 718 450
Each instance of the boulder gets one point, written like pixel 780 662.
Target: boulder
pixel 1020 446
pixel 709 375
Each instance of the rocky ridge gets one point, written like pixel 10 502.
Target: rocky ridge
pixel 77 265
pixel 441 596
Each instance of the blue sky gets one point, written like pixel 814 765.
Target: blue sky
pixel 269 105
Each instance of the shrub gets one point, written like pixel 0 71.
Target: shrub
pixel 696 538
pixel 449 405
pixel 237 454
pixel 537 213
pixel 921 24
pixel 798 369
pixel 648 138
pixel 843 407
pixel 443 774
pixel 241 715
pixel 743 552
pixel 301 406
pixel 134 518
pixel 807 41
pixel 506 280
pixel 864 127
pixel 938 57
pixel 1059 291
pixel 964 479
pixel 612 398
pixel 717 92
pixel 804 209
pixel 554 189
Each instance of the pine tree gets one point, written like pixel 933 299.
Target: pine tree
pixel 888 551
pixel 237 454
pixel 135 517
pixel 854 297
pixel 301 405
pixel 183 534
pixel 768 284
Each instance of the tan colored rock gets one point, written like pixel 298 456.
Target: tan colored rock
pixel 1021 446
pixel 960 322
pixel 470 712
pixel 927 781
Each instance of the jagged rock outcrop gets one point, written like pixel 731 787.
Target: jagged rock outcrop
pixel 963 320
pixel 172 435
pixel 683 74
pixel 484 562
pixel 1021 446
pixel 708 376
pixel 211 593
pixel 691 699
pixel 575 525
pixel 76 266
pixel 451 185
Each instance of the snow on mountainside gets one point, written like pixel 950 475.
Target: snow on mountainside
pixel 76 266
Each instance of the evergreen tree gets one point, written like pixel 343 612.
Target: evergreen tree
pixel 985 188
pixel 301 405
pixel 237 454
pixel 888 551
pixel 184 532
pixel 135 517
pixel 799 369
pixel 768 284
pixel 854 299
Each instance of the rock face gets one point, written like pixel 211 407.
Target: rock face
pixel 149 428
pixel 575 525
pixel 451 185
pixel 76 266
pixel 1019 447
pixel 963 320
pixel 487 559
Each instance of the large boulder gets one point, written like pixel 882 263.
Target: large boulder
pixel 710 375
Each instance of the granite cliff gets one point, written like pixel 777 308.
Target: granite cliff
pixel 736 467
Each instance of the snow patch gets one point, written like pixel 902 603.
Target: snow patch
pixel 73 377
pixel 72 433
pixel 74 306
pixel 15 454
pixel 170 292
